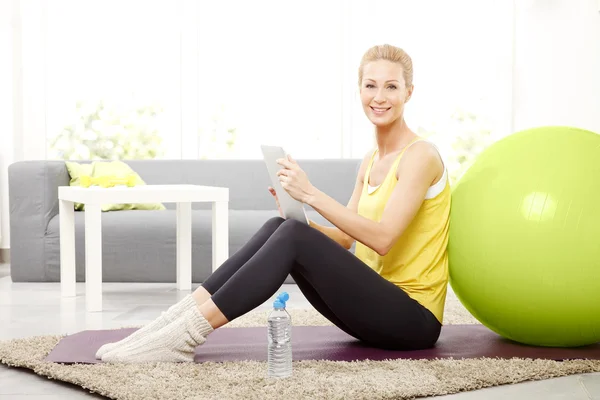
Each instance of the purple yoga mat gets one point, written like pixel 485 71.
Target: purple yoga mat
pixel 327 343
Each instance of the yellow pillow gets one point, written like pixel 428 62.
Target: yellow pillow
pixel 98 169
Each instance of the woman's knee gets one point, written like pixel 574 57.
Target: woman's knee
pixel 296 232
pixel 292 225
pixel 274 223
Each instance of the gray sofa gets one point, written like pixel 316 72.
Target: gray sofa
pixel 139 246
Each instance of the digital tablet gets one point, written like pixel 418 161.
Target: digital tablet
pixel 291 208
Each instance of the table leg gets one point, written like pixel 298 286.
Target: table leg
pixel 93 257
pixel 67 248
pixel 184 246
pixel 220 233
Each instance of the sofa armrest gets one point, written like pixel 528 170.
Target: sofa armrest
pixel 33 201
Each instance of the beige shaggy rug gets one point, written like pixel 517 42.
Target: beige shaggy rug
pixel 397 379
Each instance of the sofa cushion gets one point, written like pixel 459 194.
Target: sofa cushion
pixel 139 246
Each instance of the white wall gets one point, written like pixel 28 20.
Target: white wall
pixel 6 114
pixel 22 103
pixel 557 64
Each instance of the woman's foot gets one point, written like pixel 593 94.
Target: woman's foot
pixel 174 312
pixel 175 342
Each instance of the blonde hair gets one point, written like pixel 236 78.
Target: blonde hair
pixel 389 53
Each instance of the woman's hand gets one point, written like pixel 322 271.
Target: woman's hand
pixel 294 180
pixel 274 194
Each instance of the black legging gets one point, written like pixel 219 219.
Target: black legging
pixel 339 285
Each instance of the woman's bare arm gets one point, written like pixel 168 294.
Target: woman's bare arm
pixel 417 171
pixel 334 232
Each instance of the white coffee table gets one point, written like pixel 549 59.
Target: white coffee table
pixel 94 197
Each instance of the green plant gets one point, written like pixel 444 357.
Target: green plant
pixel 108 132
pixel 473 136
pixel 217 137
pixel 466 135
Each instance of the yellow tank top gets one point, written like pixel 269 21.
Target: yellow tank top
pixel 418 262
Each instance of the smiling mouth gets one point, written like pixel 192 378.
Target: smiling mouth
pixel 379 110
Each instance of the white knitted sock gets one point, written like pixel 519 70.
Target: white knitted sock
pixel 176 341
pixel 166 317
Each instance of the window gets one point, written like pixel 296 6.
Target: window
pixel 269 72
pixel 112 79
pixel 187 79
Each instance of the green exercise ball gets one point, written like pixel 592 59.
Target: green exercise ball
pixel 524 244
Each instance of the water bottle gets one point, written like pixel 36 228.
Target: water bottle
pixel 279 363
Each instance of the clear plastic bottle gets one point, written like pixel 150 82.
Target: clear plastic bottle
pixel 279 363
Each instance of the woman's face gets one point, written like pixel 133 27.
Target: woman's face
pixel 383 92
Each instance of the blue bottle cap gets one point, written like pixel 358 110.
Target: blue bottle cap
pixel 284 296
pixel 278 304
pixel 280 300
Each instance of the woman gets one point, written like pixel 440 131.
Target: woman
pixel 389 294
